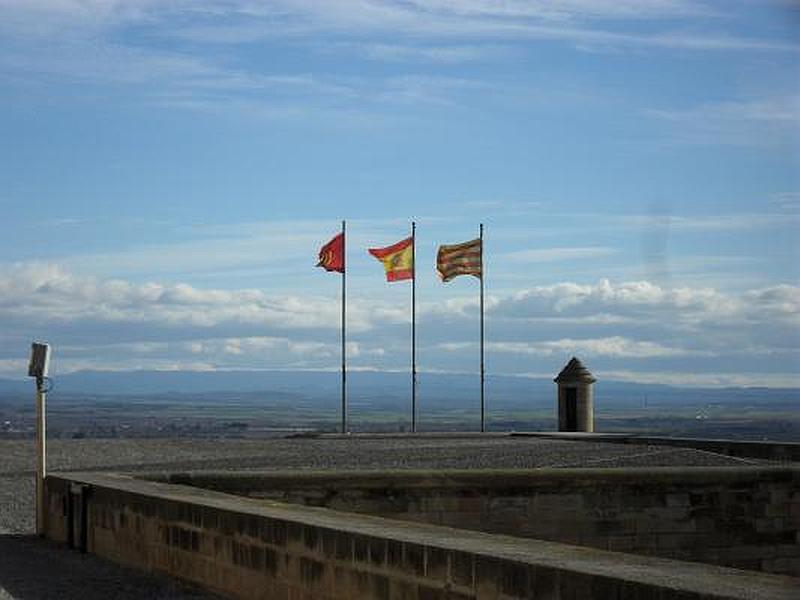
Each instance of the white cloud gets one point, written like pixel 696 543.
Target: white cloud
pixel 231 21
pixel 753 121
pixel 705 223
pixel 716 379
pixel 169 62
pixel 450 54
pixel 607 297
pixel 41 292
pixel 564 9
pixel 616 346
pixel 13 366
pixel 116 324
pixel 787 201
pixel 779 301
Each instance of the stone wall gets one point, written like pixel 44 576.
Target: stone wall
pixel 766 450
pixel 248 548
pixel 747 517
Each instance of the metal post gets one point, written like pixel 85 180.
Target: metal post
pixel 413 328
pixel 344 320
pixel 483 404
pixel 41 464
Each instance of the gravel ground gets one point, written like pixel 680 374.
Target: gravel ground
pixel 34 568
pixel 356 453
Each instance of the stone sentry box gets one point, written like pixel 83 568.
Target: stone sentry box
pixel 575 397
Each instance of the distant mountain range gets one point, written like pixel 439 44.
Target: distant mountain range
pixel 385 388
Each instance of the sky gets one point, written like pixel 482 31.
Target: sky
pixel 170 168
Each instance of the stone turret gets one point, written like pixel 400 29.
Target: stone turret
pixel 575 397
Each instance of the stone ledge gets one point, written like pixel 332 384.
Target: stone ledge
pixel 443 478
pixel 768 450
pixel 661 576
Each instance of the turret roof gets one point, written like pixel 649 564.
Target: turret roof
pixel 574 371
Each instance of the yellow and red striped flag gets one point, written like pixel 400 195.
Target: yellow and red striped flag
pixel 397 259
pixel 459 259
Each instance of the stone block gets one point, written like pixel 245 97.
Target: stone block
pixel 621 543
pixel 394 554
pixel 654 524
pixel 554 504
pixel 272 562
pixel 312 572
pixel 425 592
pixel 273 532
pixel 613 528
pixel 377 551
pixel 311 538
pixel 360 582
pixel 438 503
pixel 488 577
pixel 469 504
pixel 768 524
pixel 435 564
pixel 344 546
pixel 294 533
pixel 515 580
pixel 575 587
pixel 783 565
pixel 360 548
pixel 379 587
pixel 680 500
pixel 400 589
pixel 414 559
pixel 462 569
pixel 341 582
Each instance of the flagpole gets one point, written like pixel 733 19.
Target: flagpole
pixel 344 315
pixel 483 404
pixel 413 328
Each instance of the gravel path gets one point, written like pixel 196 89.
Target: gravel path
pixel 31 568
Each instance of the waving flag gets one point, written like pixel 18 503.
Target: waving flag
pixel 397 259
pixel 460 259
pixel 331 255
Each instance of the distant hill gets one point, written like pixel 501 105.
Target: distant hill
pixel 387 388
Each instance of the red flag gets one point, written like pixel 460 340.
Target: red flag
pixel 331 255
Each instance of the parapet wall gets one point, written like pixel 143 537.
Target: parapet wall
pixel 746 517
pixel 765 450
pixel 249 548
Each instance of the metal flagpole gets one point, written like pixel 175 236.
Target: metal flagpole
pixel 413 328
pixel 344 315
pixel 483 404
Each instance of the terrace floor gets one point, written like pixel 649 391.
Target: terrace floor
pixel 31 568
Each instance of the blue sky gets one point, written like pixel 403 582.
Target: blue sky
pixel 169 169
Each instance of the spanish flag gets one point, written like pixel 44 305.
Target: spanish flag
pixel 397 259
pixel 331 255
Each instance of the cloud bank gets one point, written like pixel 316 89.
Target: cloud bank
pixel 622 328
